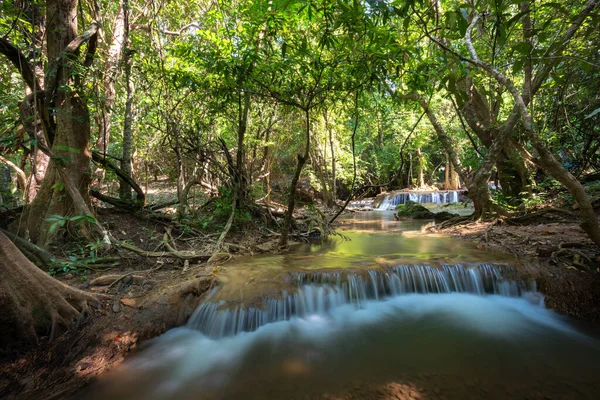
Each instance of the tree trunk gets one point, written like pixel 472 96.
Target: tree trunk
pixel 267 166
pixel 126 163
pixel 318 167
pixel 5 181
pixel 38 160
pixel 292 193
pixel 554 168
pixel 447 173
pixel 409 177
pixel 111 71
pixel 241 179
pixel 32 303
pixel 70 128
pixel 333 171
pixel 420 176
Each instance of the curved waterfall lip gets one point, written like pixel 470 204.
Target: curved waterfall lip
pixel 319 293
pixel 391 201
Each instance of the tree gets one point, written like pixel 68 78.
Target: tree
pixel 64 118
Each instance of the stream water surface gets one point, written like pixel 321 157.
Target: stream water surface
pixel 382 312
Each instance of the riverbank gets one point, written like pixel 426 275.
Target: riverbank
pixel 149 296
pixel 565 261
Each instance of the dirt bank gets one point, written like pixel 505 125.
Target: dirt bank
pixel 564 260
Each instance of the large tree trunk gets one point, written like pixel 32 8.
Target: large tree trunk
pixel 32 303
pixel 70 129
pixel 511 161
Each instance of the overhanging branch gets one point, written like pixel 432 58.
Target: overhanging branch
pixel 17 58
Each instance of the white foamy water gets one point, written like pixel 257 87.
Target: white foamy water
pixel 414 333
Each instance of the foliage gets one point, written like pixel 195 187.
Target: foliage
pixel 234 84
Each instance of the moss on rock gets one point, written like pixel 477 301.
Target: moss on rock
pixel 410 209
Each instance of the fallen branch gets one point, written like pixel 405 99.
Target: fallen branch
pixel 110 279
pixel 140 195
pixel 113 201
pixel 184 255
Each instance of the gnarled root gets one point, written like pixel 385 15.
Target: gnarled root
pixel 32 303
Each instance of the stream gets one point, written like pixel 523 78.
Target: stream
pixel 384 311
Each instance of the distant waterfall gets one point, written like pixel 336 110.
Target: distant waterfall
pixel 393 200
pixel 320 292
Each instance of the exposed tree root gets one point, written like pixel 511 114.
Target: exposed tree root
pixel 532 215
pixel 32 303
pixel 568 255
pixel 454 221
pixel 32 252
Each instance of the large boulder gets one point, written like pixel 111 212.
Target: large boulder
pixel 410 209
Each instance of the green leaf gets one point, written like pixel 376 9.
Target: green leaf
pixel 523 48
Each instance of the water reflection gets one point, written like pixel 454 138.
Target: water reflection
pixel 370 240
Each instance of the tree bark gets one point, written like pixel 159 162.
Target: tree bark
pixel 38 159
pixel 32 303
pixel 333 160
pixel 21 177
pixel 68 129
pixel 420 176
pixel 240 177
pixel 126 161
pixel 111 72
pixel 447 173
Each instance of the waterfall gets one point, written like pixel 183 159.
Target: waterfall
pixel 393 200
pixel 320 292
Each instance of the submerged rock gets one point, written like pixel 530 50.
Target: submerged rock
pixel 410 209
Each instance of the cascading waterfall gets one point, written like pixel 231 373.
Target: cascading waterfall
pixel 320 292
pixel 431 197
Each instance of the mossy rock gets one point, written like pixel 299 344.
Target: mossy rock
pixel 410 209
pixel 444 216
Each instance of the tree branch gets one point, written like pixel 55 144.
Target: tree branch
pixel 22 178
pixel 18 59
pixel 148 28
